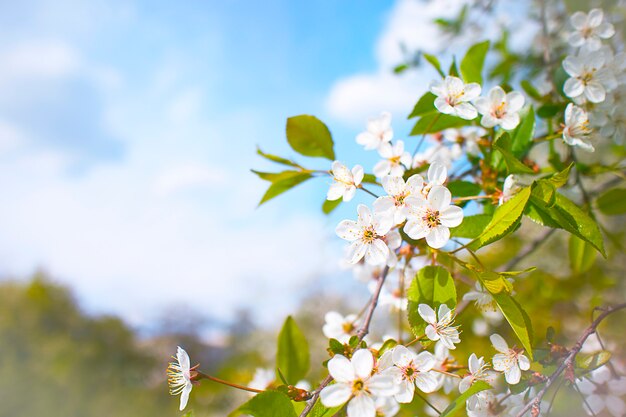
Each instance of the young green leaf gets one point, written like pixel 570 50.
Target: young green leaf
pixel 505 219
pixel 612 202
pixel 522 136
pixel 308 136
pixel 277 159
pixel 433 285
pixel 581 255
pixel 434 61
pixel 426 104
pixel 517 318
pixel 503 144
pixel 292 356
pixel 460 188
pixel 473 62
pixel 436 122
pixel 267 404
pixel 279 186
pixel 471 227
pixel 328 206
pixel 458 404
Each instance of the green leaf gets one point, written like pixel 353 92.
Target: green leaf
pixel 549 110
pixel 612 202
pixel 292 356
pixel 328 206
pixel 454 70
pixel 189 414
pixel 560 178
pixel 458 404
pixel 471 227
pixel 398 69
pixel 432 285
pixel 277 176
pixel 473 62
pixel 463 188
pixel 592 361
pixel 280 185
pixel 436 122
pixel 276 159
pixel 320 411
pixel 504 145
pixel 581 255
pixel 369 179
pixel 522 136
pixel 517 318
pixel 424 105
pixel 505 219
pixel 434 61
pixel 308 136
pixel 494 282
pixel 530 90
pixel 267 404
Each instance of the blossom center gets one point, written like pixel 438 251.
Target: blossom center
pixel 500 110
pixel 431 218
pixel 347 327
pixel 369 235
pixel 358 387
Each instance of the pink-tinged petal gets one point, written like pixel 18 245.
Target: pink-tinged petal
pixel 382 385
pixel 382 168
pixel 512 375
pixel 515 101
pixel 335 395
pixel 431 333
pixel 615 405
pixel 356 251
pixel 578 20
pixel 472 90
pixel 363 363
pixel 426 382
pixel 348 230
pixel 510 121
pixel 499 343
pixel 442 105
pixel 573 87
pixel 361 406
pixel 524 363
pixel 594 18
pixel 437 173
pixel 465 111
pixel 364 215
pixel 489 121
pixel 439 197
pixel 393 185
pixel 335 192
pixel 595 92
pixel 586 386
pixel 406 392
pixel 451 216
pixel 184 396
pixel 424 361
pixel 377 253
pixel 573 66
pixel 438 237
pixel 483 105
pixel 402 356
pixel 357 174
pixel 341 369
pixel 340 170
pixel 416 229
pixel 349 193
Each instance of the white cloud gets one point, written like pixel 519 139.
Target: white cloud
pixel 191 176
pixel 39 58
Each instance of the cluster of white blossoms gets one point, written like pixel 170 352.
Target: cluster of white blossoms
pixel 597 77
pixel 603 389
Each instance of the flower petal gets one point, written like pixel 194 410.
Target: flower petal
pixel 451 216
pixel 427 313
pixel 335 395
pixel 499 343
pixel 438 237
pixel 341 369
pixel 361 406
pixel 439 197
pixel 363 363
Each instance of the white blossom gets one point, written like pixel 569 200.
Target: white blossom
pixel 577 131
pixel 442 360
pixel 439 153
pixel 395 160
pixel 481 297
pixel 500 108
pixel 393 204
pixel 410 370
pixel 509 189
pixel 589 78
pixel 366 236
pixel 345 181
pixel 509 361
pixel 603 391
pixel 440 324
pixel 378 131
pixel 179 377
pixel 589 29
pixel 432 217
pixel 478 371
pixel 453 97
pixel 355 384
pixel 467 137
pixel 386 407
pixel 339 327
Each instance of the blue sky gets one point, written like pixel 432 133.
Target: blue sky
pixel 128 128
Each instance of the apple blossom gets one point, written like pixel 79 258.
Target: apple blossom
pixel 398 190
pixel 411 370
pixel 478 371
pixel 394 161
pixel 355 384
pixel 339 327
pixel 441 327
pixel 500 108
pixel 179 377
pixel 378 131
pixel 453 97
pixel 577 131
pixel 366 236
pixel 589 78
pixel 345 182
pixel 603 391
pixel 509 361
pixel 590 29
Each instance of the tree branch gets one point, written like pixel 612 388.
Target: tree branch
pixel 533 246
pixel 535 404
pixel 363 331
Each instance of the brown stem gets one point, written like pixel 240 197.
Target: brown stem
pixel 230 384
pixel 535 403
pixel 363 331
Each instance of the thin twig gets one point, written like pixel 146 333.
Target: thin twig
pixel 535 403
pixel 363 331
pixel 533 246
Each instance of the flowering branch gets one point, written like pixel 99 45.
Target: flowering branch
pixel 363 331
pixel 535 404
